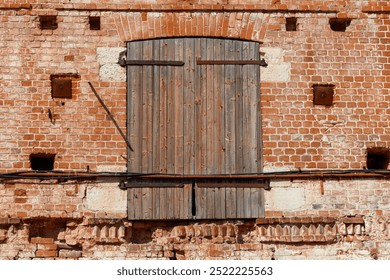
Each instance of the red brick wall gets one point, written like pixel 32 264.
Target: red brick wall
pixel 296 134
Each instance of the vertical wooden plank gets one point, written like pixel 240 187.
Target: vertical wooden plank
pixel 170 203
pixel 230 112
pixel 261 203
pixel 170 107
pixel 210 108
pixel 252 128
pixel 248 113
pixel 138 203
pixel 163 203
pixel 178 202
pixel 188 106
pixel 147 203
pixel 130 204
pixel 255 202
pixel 239 140
pixel 188 198
pixel 200 108
pixel 134 77
pixel 220 203
pixel 247 206
pixel 187 206
pixel 231 203
pixel 258 137
pixel 177 92
pixel 146 117
pixel 210 202
pixel 164 90
pixel 240 202
pixel 156 110
pixel 219 147
pixel 156 203
pixel 201 202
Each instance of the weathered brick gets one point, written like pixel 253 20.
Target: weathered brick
pixel 42 240
pixel 46 253
pixel 47 247
pixel 69 254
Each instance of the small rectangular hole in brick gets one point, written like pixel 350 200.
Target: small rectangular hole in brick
pixel 339 24
pixel 48 22
pixel 94 23
pixel 42 161
pixel 323 95
pixel 291 24
pixel 378 158
pixel 61 86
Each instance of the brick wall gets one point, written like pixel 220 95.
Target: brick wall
pixel 81 222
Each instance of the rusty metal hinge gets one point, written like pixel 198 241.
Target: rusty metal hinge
pixel 232 62
pixel 151 63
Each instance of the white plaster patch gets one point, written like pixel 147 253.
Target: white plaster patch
pixel 106 197
pixel 111 168
pixel 110 70
pixel 271 168
pixel 280 183
pixel 108 55
pixel 285 199
pixel 277 70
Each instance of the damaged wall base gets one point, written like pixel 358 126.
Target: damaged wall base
pixel 266 238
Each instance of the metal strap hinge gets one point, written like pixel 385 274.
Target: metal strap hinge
pixel 232 62
pixel 153 63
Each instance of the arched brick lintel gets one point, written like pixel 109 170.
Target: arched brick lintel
pixel 149 25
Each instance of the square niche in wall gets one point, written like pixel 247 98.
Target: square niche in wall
pixel 48 22
pixel 378 158
pixel 94 23
pixel 291 24
pixel 61 86
pixel 323 95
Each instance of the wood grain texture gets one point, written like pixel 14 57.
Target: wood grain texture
pixel 194 119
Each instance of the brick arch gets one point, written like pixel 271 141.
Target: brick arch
pixel 149 25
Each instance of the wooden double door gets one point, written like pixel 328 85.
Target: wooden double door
pixel 193 110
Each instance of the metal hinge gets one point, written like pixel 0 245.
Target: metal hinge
pixel 232 62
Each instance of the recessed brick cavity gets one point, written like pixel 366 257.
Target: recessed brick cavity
pixel 291 24
pixel 48 22
pixel 61 86
pixel 323 95
pixel 339 24
pixel 378 158
pixel 42 161
pixel 94 23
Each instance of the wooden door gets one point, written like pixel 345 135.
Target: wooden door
pixel 193 109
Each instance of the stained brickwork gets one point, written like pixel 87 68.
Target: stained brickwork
pixel 72 219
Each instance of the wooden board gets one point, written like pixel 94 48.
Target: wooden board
pixel 225 202
pixel 157 203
